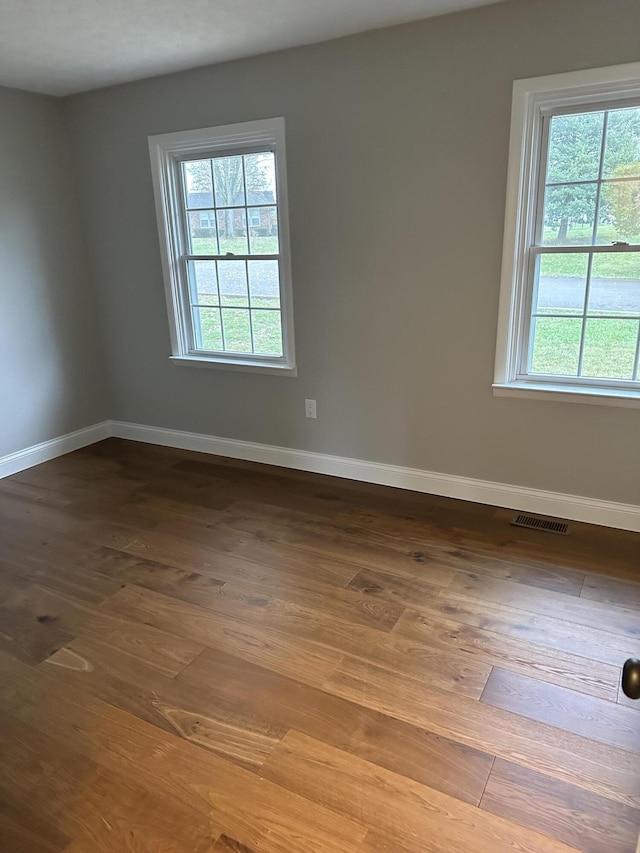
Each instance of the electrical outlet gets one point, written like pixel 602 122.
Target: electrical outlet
pixel 310 409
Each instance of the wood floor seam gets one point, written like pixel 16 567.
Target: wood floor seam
pixel 207 655
pixel 493 763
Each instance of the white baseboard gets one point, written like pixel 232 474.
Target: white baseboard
pixel 573 507
pixel 46 450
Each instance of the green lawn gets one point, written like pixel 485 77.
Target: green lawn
pixel 609 348
pixel 236 245
pixel 237 324
pixel 615 264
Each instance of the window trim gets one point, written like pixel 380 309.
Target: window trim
pixel 167 151
pixel 533 98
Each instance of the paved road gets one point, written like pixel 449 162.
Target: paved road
pixel 263 278
pixel 607 294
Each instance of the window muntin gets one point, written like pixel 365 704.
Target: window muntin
pixel 585 301
pixel 539 353
pixel 221 199
pixel 239 223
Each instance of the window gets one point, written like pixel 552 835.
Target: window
pixel 222 215
pixel 570 301
pixel 255 219
pixel 207 220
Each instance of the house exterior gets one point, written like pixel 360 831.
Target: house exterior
pixel 260 217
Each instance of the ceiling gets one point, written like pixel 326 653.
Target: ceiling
pixel 64 46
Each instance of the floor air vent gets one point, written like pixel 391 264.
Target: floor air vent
pixel 535 522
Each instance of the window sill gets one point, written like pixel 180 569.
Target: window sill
pixel 267 367
pixel 569 394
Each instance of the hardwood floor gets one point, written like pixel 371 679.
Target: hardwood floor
pixel 201 655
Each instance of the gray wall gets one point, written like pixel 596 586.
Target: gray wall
pixel 51 373
pixel 397 157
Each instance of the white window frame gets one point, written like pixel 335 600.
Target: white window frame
pixel 532 100
pixel 167 152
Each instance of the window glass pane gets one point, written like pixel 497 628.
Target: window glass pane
pixel 562 283
pixel 569 214
pixel 556 345
pixel 228 180
pixel 202 232
pixel 206 328
pixel 264 284
pixel 233 283
pixel 260 174
pixel 622 148
pixel 263 231
pixel 610 348
pixel 267 332
pixel 237 329
pixel 203 284
pixel 199 188
pixel 619 218
pixel 615 284
pixel 575 143
pixel 232 231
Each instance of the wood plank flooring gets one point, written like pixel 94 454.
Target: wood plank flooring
pixel 202 655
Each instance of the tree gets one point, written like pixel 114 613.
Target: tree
pixel 623 201
pixel 575 143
